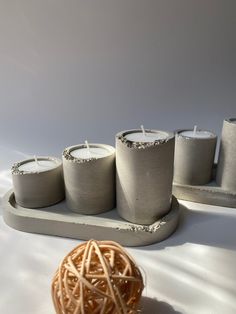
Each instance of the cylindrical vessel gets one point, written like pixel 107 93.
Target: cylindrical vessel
pixel 144 174
pixel 89 181
pixel 226 169
pixel 194 157
pixel 37 186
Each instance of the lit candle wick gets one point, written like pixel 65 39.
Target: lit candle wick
pixel 195 130
pixel 88 148
pixel 37 163
pixel 143 130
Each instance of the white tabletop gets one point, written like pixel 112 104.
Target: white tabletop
pixel 193 272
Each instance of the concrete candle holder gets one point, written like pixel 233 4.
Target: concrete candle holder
pixel 194 157
pixel 221 190
pixel 38 186
pixel 226 169
pixel 144 173
pixel 89 182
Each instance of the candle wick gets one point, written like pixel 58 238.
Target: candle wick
pixel 143 130
pixel 195 130
pixel 88 148
pixel 37 163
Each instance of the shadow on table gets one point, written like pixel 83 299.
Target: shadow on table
pixel 152 306
pixel 207 228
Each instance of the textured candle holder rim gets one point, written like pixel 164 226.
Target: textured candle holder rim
pixel 67 152
pixel 168 134
pixel 139 145
pixel 178 131
pixel 15 168
pixel 58 220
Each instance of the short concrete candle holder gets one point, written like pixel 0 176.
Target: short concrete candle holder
pixel 221 190
pixel 89 174
pixel 144 174
pixel 38 182
pixel 194 156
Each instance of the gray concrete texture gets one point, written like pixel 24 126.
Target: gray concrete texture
pixel 90 185
pixel 194 159
pixel 210 194
pixel 35 190
pixel 57 220
pixel 144 178
pixel 226 169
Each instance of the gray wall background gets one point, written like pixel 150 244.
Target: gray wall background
pixel 74 70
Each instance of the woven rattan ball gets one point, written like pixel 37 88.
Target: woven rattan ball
pixel 97 277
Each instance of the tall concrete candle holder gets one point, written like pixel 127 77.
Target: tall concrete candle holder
pixel 144 173
pixel 38 183
pixel 226 169
pixel 89 175
pixel 194 157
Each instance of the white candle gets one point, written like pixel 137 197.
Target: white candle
pixel 196 134
pixel 90 151
pixel 145 136
pixel 38 165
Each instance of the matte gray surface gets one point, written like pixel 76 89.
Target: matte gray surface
pixel 194 159
pixel 90 184
pixel 144 178
pixel 76 70
pixel 226 170
pixel 35 190
pixel 210 194
pixel 58 220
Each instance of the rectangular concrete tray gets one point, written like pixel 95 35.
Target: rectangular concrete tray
pixel 207 194
pixel 58 220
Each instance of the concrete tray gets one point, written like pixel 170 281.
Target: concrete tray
pixel 58 220
pixel 208 194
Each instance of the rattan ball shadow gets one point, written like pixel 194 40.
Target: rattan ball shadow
pixel 97 277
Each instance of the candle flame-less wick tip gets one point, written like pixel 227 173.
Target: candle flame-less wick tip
pixel 37 163
pixel 36 159
pixel 88 148
pixel 143 130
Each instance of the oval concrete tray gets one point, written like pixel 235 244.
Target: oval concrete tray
pixel 58 220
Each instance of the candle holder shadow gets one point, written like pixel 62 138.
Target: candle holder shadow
pixel 211 193
pixel 58 220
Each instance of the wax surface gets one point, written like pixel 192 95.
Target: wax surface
pixel 148 137
pixel 93 152
pixel 41 165
pixel 197 134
